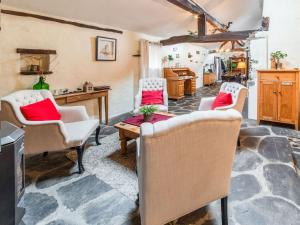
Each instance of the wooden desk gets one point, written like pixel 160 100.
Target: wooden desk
pixel 82 96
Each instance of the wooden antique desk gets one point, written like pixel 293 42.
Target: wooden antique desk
pixel 128 132
pixel 82 96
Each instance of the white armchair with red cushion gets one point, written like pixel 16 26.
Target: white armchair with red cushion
pixel 48 126
pixel 152 91
pixel 238 93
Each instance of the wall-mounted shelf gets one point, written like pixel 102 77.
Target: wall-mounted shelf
pixel 35 51
pixel 35 73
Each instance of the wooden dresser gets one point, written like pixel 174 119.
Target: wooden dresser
pixel 278 96
pixel 209 78
pixel 180 82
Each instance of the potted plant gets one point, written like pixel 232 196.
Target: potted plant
pixel 148 112
pixel 277 56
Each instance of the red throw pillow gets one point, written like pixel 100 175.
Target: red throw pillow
pixel 40 111
pixel 223 99
pixel 152 97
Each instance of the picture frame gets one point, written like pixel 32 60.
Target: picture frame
pixel 106 49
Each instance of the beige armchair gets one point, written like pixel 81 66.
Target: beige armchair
pixel 71 131
pixel 181 166
pixel 239 94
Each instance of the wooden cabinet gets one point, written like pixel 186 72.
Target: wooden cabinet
pixel 209 78
pixel 278 96
pixel 180 82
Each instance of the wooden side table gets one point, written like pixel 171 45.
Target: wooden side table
pixel 82 96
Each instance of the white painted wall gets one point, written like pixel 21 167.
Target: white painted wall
pixel 284 33
pixel 195 63
pixel 75 62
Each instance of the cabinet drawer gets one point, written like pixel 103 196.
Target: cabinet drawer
pixel 288 76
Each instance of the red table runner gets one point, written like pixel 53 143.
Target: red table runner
pixel 138 120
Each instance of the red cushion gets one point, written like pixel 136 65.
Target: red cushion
pixel 40 111
pixel 223 99
pixel 152 97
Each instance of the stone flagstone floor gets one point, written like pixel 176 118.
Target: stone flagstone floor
pixel 265 189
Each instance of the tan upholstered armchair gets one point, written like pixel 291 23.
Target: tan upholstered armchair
pixel 239 94
pixel 72 130
pixel 181 166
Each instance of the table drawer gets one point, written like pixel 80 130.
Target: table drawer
pixel 77 98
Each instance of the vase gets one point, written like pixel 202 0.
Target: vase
pixel 148 118
pixel 41 84
pixel 277 65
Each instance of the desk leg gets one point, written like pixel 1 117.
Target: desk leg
pixel 100 109
pixel 123 141
pixel 106 109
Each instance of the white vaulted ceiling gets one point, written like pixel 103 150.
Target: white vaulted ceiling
pixel 155 17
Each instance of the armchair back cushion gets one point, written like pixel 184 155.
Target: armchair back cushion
pixel 40 111
pixel 181 166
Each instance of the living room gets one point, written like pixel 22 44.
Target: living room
pixel 149 112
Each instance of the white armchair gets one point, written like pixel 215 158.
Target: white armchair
pixel 152 84
pixel 72 130
pixel 238 92
pixel 181 166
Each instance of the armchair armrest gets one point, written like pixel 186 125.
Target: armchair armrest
pixel 138 100
pixel 165 96
pixel 232 106
pixel 71 114
pixel 206 103
pixel 52 136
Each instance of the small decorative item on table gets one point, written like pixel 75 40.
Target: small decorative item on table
pixel 88 87
pixel 148 112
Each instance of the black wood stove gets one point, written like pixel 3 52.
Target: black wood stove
pixel 12 173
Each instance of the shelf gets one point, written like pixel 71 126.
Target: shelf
pixel 35 51
pixel 35 73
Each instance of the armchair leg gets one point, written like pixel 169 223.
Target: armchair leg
pixel 224 210
pixel 80 150
pixel 239 142
pixel 97 135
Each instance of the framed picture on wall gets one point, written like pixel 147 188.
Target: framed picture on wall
pixel 106 49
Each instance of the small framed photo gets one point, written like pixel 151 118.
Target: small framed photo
pixel 106 49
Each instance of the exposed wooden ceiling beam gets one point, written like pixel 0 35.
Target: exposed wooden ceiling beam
pixel 194 8
pixel 221 37
pixel 202 25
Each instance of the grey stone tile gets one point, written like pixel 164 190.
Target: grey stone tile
pixel 82 191
pixel 59 175
pixel 39 163
pixel 275 149
pixel 285 131
pixel 60 222
pixel 250 142
pixel 282 180
pixel 255 131
pixel 38 206
pixel 246 160
pixel 267 211
pixel 243 187
pixel 107 130
pixel 119 118
pixel 115 209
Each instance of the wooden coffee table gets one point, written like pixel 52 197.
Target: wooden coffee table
pixel 129 132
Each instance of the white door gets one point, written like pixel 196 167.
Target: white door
pixel 259 60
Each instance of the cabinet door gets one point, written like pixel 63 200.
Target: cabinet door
pixel 287 101
pixel 268 100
